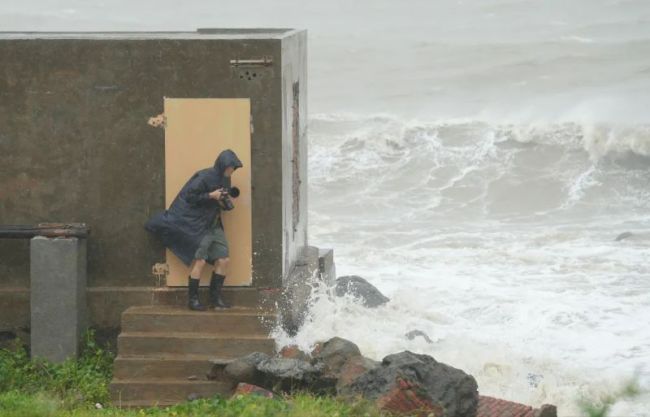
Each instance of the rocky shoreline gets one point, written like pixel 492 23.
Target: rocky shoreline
pixel 402 383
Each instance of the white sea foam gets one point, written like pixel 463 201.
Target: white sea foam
pixel 497 240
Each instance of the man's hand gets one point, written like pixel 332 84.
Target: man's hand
pixel 217 194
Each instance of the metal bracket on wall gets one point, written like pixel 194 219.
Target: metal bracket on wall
pixel 252 69
pixel 266 61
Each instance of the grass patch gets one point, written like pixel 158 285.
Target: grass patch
pixel 81 382
pixel 37 388
pixel 14 404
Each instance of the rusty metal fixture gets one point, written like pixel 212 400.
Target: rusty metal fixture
pixel 79 230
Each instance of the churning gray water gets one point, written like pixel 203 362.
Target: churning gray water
pixel 475 160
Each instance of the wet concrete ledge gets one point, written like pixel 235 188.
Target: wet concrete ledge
pixel 106 304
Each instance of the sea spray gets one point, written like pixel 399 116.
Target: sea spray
pixel 495 239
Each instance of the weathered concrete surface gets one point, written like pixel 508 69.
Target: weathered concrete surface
pixel 297 293
pixel 106 304
pixel 294 148
pixel 160 361
pixel 75 145
pixel 326 266
pixel 58 297
pixel 86 102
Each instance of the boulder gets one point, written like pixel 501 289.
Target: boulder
pixel 413 383
pixel 361 289
pixel 353 368
pixel 244 369
pixel 293 352
pixel 290 375
pixel 546 410
pixel 333 354
pixel 249 389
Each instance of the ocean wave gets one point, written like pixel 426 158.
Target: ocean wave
pixel 471 169
pixel 598 140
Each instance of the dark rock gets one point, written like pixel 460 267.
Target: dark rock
pixel 419 380
pixel 293 352
pixel 244 369
pixel 334 353
pixel 415 333
pixel 361 289
pixel 546 410
pixel 353 368
pixel 290 375
pixel 249 389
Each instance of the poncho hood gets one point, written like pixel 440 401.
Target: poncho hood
pixel 226 159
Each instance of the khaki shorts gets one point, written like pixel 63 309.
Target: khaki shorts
pixel 213 246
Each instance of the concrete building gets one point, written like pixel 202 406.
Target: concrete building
pixel 83 132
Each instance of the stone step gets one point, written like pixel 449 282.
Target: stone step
pixel 225 345
pixel 176 319
pixel 178 367
pixel 237 296
pixel 154 391
pixel 135 404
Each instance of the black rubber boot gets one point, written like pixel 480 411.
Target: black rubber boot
pixel 216 283
pixel 193 295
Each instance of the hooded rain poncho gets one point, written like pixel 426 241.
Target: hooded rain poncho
pixel 183 225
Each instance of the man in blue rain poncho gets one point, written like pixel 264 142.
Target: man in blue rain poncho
pixel 192 228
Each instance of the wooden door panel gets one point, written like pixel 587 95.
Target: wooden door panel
pixel 196 131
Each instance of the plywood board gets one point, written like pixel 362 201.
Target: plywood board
pixel 196 131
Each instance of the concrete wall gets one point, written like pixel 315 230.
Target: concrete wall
pixel 75 147
pixel 294 148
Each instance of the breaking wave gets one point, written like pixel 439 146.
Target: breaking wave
pixel 495 239
pixel 472 169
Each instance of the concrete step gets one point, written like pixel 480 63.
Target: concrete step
pixel 180 319
pixel 237 296
pixel 141 404
pixel 153 391
pixel 225 345
pixel 183 367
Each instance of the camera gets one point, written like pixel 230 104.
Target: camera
pixel 225 200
